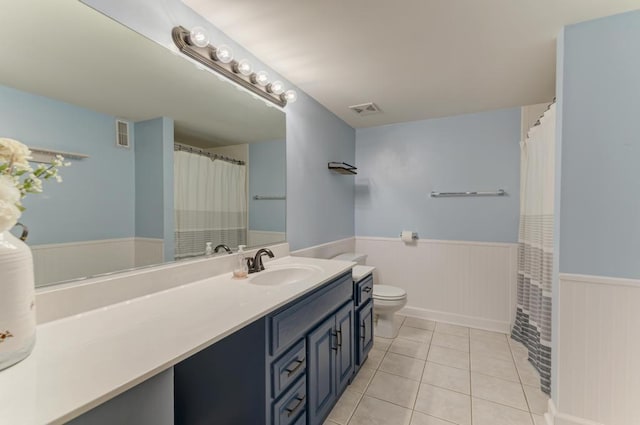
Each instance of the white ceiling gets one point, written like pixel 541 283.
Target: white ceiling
pixel 415 59
pixel 65 50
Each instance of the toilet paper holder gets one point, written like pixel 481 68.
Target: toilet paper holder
pixel 414 236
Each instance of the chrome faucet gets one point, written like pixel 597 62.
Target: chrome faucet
pixel 255 264
pixel 222 246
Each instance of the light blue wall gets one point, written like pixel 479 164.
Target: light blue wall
pixel 320 204
pixel 154 181
pixel 400 164
pixel 96 198
pixel 600 104
pixel 267 177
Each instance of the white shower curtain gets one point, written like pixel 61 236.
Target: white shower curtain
pixel 210 202
pixel 535 244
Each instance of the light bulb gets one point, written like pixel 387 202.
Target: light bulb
pixel 290 96
pixel 260 77
pixel 243 67
pixel 223 53
pixel 276 87
pixel 199 37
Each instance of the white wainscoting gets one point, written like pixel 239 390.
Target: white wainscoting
pixel 598 351
pixel 259 237
pixel 327 250
pixel 65 261
pixel 148 251
pixel 466 283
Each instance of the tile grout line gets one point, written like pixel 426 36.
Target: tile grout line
pixel 526 399
pixel 470 384
pixel 430 345
pixel 413 408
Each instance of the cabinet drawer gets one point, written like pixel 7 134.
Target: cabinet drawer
pixel 291 405
pixel 288 368
pixel 292 322
pixel 364 290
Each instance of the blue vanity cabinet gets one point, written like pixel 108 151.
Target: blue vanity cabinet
pixel 345 358
pixel 363 331
pixel 310 339
pixel 225 382
pixel 331 362
pixel 322 344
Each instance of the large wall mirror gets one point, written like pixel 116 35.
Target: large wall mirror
pixel 205 161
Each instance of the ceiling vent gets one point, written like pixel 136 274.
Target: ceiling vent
pixel 365 109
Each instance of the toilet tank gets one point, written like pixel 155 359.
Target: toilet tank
pixel 352 256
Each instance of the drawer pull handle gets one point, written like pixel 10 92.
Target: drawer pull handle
pixel 291 371
pixel 339 332
pixel 364 331
pixel 336 335
pixel 367 289
pixel 291 410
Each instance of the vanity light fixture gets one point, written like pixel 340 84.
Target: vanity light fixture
pixel 276 87
pixel 195 44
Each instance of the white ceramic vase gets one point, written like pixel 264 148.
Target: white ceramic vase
pixel 17 301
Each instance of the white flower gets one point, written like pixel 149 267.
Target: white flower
pixel 8 190
pixel 36 184
pixel 9 215
pixel 14 152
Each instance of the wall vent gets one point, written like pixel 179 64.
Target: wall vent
pixel 122 134
pixel 365 109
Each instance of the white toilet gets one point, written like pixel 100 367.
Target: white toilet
pixel 386 300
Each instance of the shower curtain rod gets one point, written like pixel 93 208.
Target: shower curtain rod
pixel 213 156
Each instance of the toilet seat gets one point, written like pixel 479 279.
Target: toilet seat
pixel 389 293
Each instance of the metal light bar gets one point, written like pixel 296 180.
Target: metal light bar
pixel 205 55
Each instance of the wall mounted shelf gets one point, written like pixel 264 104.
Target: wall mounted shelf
pixel 342 168
pixel 45 156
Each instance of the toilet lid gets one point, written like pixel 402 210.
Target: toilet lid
pixel 387 292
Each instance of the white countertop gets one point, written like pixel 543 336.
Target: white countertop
pixel 360 272
pixel 81 361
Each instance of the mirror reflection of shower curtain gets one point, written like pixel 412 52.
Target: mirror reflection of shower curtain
pixel 210 203
pixel 535 245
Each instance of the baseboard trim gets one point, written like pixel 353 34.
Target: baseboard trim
pixel 553 417
pixel 457 319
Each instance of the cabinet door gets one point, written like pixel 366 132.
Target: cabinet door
pixel 365 331
pixel 322 346
pixel 346 354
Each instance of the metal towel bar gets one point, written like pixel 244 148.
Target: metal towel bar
pixel 269 198
pixel 500 192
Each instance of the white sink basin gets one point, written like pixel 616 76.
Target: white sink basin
pixel 284 275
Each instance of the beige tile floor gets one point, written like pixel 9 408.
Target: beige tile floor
pixel 439 374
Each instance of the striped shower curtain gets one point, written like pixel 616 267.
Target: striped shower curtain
pixel 535 245
pixel 210 203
